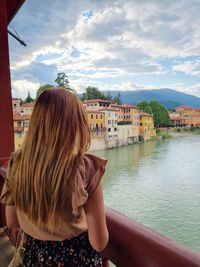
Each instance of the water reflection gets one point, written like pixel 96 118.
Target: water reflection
pixel 157 183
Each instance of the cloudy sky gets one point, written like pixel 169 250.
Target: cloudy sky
pixel 114 45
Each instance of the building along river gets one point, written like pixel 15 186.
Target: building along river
pixel 158 184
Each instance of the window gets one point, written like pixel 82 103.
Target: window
pixel 109 121
pixel 109 129
pixel 19 124
pixel 101 116
pixel 101 125
pixel 91 116
pixel 96 116
pixel 115 129
pixel 19 134
pixel 141 124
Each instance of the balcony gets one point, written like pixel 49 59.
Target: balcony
pixel 130 243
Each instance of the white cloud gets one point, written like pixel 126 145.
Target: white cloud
pixel 189 67
pixel 20 88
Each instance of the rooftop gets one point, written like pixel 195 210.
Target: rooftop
pixel 145 114
pixel 97 100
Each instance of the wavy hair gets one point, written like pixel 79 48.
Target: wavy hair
pixel 42 175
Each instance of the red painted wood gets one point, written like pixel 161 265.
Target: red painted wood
pixel 134 245
pixel 6 116
pixel 12 7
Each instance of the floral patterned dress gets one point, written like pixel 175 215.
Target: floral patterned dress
pixel 74 252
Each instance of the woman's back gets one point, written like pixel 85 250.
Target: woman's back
pixel 53 183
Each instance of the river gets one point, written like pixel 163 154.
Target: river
pixel 158 184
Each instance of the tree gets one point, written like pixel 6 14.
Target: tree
pixel 109 96
pixel 93 93
pixel 43 88
pixel 29 98
pixel 160 114
pixel 117 99
pixel 145 107
pixel 62 80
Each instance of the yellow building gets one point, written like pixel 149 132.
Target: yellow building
pixel 96 119
pixel 146 130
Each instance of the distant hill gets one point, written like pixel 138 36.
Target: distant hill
pixel 166 97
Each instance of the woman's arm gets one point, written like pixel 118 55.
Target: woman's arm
pixel 95 216
pixel 11 217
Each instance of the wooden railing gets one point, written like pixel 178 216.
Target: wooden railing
pixel 134 245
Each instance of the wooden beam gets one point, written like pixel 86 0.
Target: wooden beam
pixel 6 115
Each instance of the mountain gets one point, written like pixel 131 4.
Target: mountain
pixel 166 97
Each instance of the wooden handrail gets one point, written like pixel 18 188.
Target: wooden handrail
pixel 133 245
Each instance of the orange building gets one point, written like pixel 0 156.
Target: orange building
pixel 27 108
pixel 131 115
pixel 185 116
pixel 21 124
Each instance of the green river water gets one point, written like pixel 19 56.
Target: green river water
pixel 158 184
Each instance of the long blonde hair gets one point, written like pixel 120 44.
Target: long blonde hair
pixel 42 175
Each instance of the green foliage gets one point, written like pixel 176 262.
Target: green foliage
pixel 108 96
pixel 145 107
pixel 93 93
pixel 117 99
pixel 160 114
pixel 195 129
pixel 29 98
pixel 164 135
pixel 43 88
pixel 62 80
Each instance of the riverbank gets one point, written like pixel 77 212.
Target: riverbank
pixel 100 144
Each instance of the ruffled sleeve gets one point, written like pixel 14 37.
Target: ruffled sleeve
pixel 5 197
pixel 95 168
pixel 89 174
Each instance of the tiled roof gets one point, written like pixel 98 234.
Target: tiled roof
pixel 108 109
pixel 145 114
pixel 94 111
pixel 31 104
pixel 96 100
pixel 184 107
pixel 19 117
